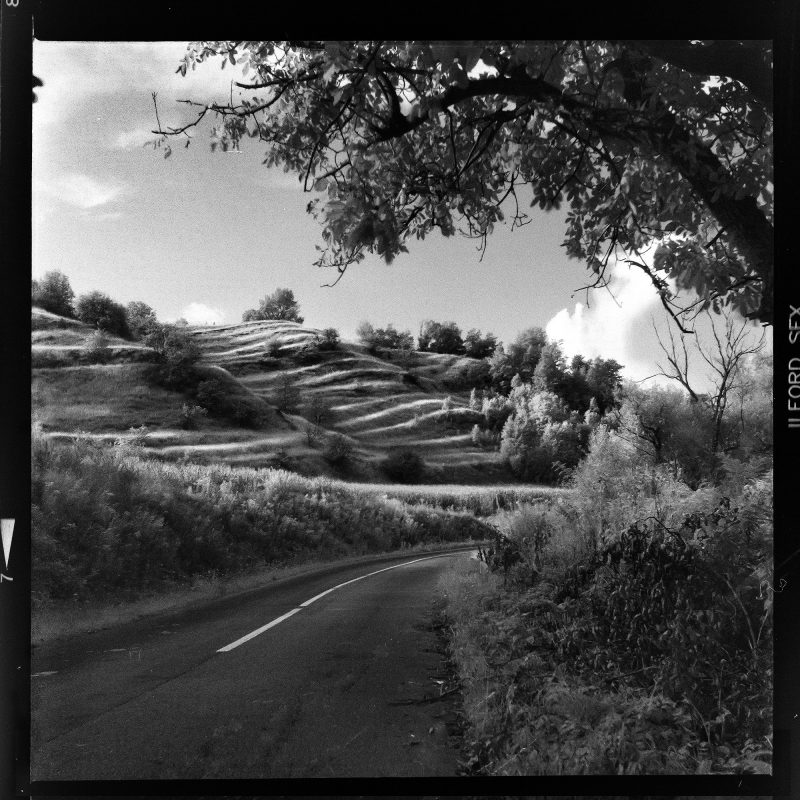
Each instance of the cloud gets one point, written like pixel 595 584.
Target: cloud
pixel 201 314
pixel 135 138
pixel 615 326
pixel 80 190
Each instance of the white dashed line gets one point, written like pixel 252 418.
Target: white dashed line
pixel 305 604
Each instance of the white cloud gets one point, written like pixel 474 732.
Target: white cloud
pixel 201 314
pixel 134 138
pixel 611 326
pixel 80 190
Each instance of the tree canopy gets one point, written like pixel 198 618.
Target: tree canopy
pixel 53 293
pixel 645 143
pixel 281 304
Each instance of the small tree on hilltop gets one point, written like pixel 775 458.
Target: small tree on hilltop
pixel 281 304
pixel 100 311
pixel 440 337
pixel 477 345
pixel 54 294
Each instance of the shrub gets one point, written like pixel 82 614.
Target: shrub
pixel 338 450
pixel 404 466
pixel 214 396
pixel 466 373
pixel 190 415
pixel 53 293
pixel 329 339
pixel 288 395
pixel 177 353
pixel 100 311
pixel 96 347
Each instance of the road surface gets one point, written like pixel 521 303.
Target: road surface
pixel 344 683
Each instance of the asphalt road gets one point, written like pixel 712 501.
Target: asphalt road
pixel 348 686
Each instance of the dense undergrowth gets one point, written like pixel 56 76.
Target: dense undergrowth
pixel 630 631
pixel 108 522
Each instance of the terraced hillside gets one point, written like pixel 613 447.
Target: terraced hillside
pixel 377 403
pixel 380 403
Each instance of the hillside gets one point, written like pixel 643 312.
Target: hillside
pixel 378 403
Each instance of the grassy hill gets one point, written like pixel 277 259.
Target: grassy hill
pixel 378 403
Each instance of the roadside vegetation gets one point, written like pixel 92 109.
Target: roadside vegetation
pixel 108 522
pixel 625 626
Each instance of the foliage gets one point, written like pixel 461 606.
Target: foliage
pixel 440 337
pixel 177 353
pixel 667 427
pixel 96 347
pixel 190 414
pixel 288 395
pixel 564 666
pixel 106 523
pixel 141 319
pixel 404 465
pixel 329 339
pixel 215 396
pixel 53 293
pixel 632 135
pixel 478 346
pixel 540 437
pixel 384 338
pixel 281 304
pixel 338 450
pixel 466 373
pixel 520 358
pixel 100 311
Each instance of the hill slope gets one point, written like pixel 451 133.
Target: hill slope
pixel 377 403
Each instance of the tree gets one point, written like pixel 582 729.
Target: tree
pixel 54 294
pixel 520 359
pixel 550 374
pixel 278 305
pixel 440 337
pixel 141 319
pixel 478 346
pixel 647 142
pixel 100 311
pixel 388 338
pixel 734 342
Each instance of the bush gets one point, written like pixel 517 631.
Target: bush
pixel 214 396
pixel 177 353
pixel 404 466
pixel 96 346
pixel 329 339
pixel 190 415
pixel 466 373
pixel 338 450
pixel 54 294
pixel 100 311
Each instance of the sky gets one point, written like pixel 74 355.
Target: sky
pixel 204 235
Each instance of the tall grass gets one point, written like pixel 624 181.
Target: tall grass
pixel 107 522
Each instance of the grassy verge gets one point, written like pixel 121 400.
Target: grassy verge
pixel 109 524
